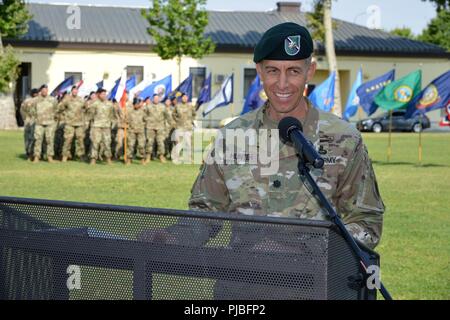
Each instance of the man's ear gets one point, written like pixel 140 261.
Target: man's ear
pixel 259 69
pixel 311 71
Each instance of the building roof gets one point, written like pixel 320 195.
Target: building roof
pixel 231 31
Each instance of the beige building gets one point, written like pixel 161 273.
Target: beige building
pixel 104 40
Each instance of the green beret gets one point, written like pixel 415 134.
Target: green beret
pixel 286 41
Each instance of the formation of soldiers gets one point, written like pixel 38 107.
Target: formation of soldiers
pixel 94 128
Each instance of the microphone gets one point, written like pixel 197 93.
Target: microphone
pixel 291 130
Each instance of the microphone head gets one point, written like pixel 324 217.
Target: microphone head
pixel 286 125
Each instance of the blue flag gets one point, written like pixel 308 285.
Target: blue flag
pixel 99 85
pixel 63 86
pixel 256 96
pixel 162 88
pixel 435 96
pixel 113 92
pixel 367 91
pixel 184 88
pixel 353 99
pixel 131 83
pixel 222 97
pixel 323 95
pixel 205 92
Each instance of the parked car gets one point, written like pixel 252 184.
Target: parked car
pixel 399 123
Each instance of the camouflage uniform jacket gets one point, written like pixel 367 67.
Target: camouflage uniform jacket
pixel 156 116
pixel 44 110
pixel 136 119
pixel 102 114
pixel 183 115
pixel 121 115
pixel 169 123
pixel 25 111
pixel 73 110
pixel 347 179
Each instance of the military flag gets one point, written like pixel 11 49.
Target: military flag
pixel 162 88
pixel 323 95
pixel 63 87
pixel 399 93
pixel 368 90
pixel 353 100
pixel 205 92
pixel 256 96
pixel 435 96
pixel 185 87
pixel 223 97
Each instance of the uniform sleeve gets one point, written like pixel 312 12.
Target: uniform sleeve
pixel 209 192
pixel 358 199
pixel 23 110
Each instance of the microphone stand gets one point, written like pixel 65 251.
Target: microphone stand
pixel 363 257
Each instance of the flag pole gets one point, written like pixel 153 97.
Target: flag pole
pixel 420 132
pixel 125 135
pixel 420 140
pixel 389 151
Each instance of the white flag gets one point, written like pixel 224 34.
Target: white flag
pixel 122 86
pixel 223 97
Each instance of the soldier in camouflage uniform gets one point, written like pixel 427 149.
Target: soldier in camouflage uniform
pixel 88 121
pixel 28 132
pixel 102 113
pixel 73 107
pixel 283 62
pixel 156 116
pixel 136 130
pixel 169 127
pixel 347 179
pixel 43 110
pixel 184 115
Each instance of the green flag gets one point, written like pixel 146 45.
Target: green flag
pixel 399 93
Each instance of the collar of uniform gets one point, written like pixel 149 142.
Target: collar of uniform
pixel 309 123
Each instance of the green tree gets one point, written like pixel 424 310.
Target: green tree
pixel 14 19
pixel 438 30
pixel 440 4
pixel 178 26
pixel 404 32
pixel 322 27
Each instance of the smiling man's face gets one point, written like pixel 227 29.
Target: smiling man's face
pixel 284 82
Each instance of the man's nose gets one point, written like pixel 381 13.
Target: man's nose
pixel 282 81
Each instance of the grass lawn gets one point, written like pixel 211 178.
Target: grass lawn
pixel 415 247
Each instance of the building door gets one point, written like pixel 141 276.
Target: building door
pixel 23 88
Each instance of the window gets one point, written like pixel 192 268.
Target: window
pixel 249 76
pixel 198 77
pixel 137 71
pixel 77 76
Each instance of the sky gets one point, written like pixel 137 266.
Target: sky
pixel 414 14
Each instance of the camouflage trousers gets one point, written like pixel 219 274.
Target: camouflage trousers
pixel 47 132
pixel 71 132
pixel 160 137
pixel 119 142
pixel 100 137
pixel 132 137
pixel 28 135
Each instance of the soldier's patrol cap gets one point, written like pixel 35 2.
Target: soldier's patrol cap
pixel 137 100
pixel 285 41
pixel 34 91
pixel 43 86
